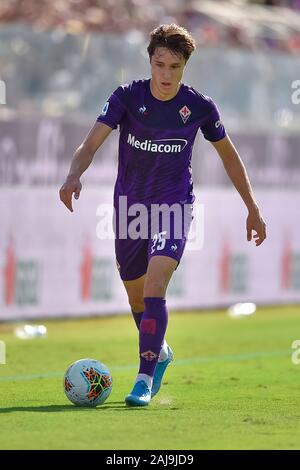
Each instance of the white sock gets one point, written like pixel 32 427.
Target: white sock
pixel 163 355
pixel 147 378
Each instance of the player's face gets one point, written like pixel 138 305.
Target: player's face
pixel 167 69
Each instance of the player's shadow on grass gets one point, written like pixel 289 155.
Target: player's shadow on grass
pixel 116 405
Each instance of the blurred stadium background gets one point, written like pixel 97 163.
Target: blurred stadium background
pixel 59 61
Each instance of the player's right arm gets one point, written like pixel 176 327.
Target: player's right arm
pixel 82 159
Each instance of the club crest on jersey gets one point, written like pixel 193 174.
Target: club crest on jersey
pixel 185 113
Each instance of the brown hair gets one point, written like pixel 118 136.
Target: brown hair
pixel 175 38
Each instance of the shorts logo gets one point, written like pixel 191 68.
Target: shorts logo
pixel 174 247
pixel 218 124
pixel 118 265
pixel 143 110
pixel 149 355
pixel 105 108
pixel 185 113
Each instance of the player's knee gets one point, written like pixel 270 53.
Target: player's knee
pixel 136 304
pixel 155 288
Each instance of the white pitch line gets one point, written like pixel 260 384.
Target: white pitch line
pixel 178 362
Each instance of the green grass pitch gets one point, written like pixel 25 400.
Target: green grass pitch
pixel 232 385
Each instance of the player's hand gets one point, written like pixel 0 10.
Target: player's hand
pixel 71 186
pixel 256 223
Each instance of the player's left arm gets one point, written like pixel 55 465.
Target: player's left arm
pixel 236 171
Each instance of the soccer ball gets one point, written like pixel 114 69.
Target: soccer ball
pixel 87 382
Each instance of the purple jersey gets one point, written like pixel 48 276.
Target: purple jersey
pixel 156 141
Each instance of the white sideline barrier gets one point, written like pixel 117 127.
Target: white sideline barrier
pixel 53 265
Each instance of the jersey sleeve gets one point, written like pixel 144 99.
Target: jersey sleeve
pixel 212 127
pixel 114 109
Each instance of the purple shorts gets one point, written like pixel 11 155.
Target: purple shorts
pixel 154 233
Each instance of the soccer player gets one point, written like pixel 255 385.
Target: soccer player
pixel 158 121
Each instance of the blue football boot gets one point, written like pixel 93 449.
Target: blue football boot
pixel 140 395
pixel 159 372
